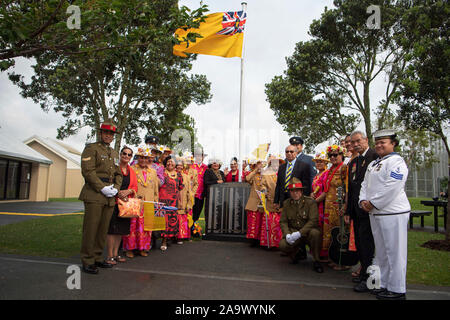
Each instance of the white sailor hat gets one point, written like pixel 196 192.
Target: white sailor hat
pixel 384 134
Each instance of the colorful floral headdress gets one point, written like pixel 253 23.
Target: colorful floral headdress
pixel 144 151
pixel 337 148
pixel 321 156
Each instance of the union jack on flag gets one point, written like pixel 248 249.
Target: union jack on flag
pixel 159 210
pixel 233 22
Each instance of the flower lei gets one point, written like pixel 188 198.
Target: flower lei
pixel 330 177
pixel 171 175
pixel 140 177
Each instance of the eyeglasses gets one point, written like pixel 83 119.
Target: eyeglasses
pixel 127 154
pixel 290 151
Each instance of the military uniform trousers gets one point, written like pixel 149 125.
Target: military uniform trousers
pixel 95 227
pixel 313 240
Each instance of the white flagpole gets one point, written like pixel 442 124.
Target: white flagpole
pixel 241 107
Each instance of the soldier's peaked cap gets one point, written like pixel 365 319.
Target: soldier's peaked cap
pixel 295 184
pixel 151 139
pixel 296 140
pixel 108 125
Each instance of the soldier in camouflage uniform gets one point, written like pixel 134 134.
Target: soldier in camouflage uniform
pixel 103 178
pixel 300 225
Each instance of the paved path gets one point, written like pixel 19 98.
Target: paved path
pixel 13 212
pixel 206 270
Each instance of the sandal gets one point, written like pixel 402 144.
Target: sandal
pixel 120 259
pixel 129 254
pixel 356 273
pixel 111 261
pixel 143 253
pixel 341 268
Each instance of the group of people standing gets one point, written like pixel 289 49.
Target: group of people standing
pixel 155 176
pixel 308 198
pixel 304 199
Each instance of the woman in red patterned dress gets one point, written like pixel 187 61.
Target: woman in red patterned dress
pixel 169 194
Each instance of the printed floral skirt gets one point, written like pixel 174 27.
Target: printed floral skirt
pixel 138 239
pixel 272 229
pixel 184 232
pixel 172 227
pixel 254 219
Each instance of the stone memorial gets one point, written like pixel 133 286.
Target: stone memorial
pixel 225 217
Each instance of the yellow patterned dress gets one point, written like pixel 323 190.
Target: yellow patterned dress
pixel 336 176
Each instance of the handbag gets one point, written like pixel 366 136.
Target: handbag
pixel 131 208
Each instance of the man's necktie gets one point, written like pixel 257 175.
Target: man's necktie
pixel 288 176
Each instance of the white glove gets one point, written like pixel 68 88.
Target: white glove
pixel 289 239
pixel 114 191
pixel 296 235
pixel 108 191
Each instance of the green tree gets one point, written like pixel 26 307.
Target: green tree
pixel 423 97
pixel 31 28
pixel 327 86
pixel 138 87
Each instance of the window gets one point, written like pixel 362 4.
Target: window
pixel 3 168
pixel 15 177
pixel 25 178
pixel 12 179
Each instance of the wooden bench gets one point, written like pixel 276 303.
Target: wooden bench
pixel 418 213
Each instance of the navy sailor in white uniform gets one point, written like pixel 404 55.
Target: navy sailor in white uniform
pixel 383 196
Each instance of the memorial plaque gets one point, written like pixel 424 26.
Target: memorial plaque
pixel 225 209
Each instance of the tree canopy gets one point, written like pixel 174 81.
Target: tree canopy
pixel 326 89
pixel 137 86
pixel 423 97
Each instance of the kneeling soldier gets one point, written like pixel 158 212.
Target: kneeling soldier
pixel 300 225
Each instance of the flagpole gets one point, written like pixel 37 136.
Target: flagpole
pixel 241 106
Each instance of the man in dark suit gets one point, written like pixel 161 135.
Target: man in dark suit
pixel 361 224
pixel 293 167
pixel 298 143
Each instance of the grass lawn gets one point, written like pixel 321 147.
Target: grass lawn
pixel 426 266
pixel 58 236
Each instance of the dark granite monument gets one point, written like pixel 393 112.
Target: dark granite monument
pixel 225 217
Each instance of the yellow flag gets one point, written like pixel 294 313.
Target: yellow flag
pixel 261 151
pixel 222 35
pixel 154 220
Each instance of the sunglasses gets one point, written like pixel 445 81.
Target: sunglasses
pixel 127 154
pixel 290 151
pixel 333 155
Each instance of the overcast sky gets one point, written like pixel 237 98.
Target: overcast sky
pixel 271 32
